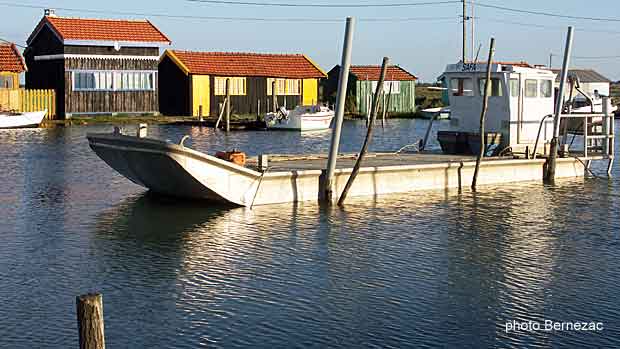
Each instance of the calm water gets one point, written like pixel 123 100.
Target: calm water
pixel 432 269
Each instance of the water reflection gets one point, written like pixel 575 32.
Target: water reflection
pixel 423 269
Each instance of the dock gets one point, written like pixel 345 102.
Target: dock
pixel 235 125
pixel 175 170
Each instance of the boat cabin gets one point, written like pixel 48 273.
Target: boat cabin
pixel 521 96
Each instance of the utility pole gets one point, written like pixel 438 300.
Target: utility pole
pixel 464 31
pixel 473 34
pixel 551 61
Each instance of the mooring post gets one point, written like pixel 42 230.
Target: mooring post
pixel 553 148
pixel 340 102
pixel 373 116
pixel 485 104
pixel 274 97
pixel 90 321
pixel 227 105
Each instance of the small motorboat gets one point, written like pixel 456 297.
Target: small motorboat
pixel 302 118
pixel 21 120
pixel 436 113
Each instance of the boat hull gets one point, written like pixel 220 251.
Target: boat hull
pixel 23 120
pixel 313 122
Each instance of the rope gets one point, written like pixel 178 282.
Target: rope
pixel 260 180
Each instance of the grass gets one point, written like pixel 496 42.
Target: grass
pixel 428 98
pixel 615 93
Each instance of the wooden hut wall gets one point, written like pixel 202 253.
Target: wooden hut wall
pixel 256 90
pixel 174 89
pixel 46 74
pixel 110 51
pixel 109 101
pixel 403 102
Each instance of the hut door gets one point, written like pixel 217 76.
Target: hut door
pixel 200 95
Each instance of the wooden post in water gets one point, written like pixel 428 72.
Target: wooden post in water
pixel 90 321
pixel 274 96
pixel 386 105
pixel 485 104
pixel 553 147
pixel 227 105
pixel 341 96
pixel 373 116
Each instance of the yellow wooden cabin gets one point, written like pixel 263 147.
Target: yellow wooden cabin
pixel 194 83
pixel 11 66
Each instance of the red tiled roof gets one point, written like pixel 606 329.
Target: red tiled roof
pixel 103 29
pixel 295 66
pixel 372 73
pixel 10 59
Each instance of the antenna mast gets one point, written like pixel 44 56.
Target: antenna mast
pixel 465 17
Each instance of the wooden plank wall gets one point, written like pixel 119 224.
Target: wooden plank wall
pixel 109 101
pixel 403 102
pixel 21 100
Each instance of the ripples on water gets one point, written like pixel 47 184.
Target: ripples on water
pixel 414 270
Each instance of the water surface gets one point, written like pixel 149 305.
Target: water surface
pixel 427 269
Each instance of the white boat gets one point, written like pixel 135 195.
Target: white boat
pixel 302 118
pixel 21 120
pixel 592 104
pixel 436 113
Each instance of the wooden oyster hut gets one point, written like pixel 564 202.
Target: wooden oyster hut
pixel 195 82
pixel 96 66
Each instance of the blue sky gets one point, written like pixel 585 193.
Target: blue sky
pixel 423 47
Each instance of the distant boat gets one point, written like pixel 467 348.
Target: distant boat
pixel 21 120
pixel 436 113
pixel 302 118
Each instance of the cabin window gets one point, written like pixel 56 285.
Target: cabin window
pixel 514 87
pixel 531 88
pixel 462 87
pixel 285 87
pixel 546 88
pixel 496 87
pixel 114 80
pixel 6 81
pixel 237 86
pixel 293 87
pixel 386 87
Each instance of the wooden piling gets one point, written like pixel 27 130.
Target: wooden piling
pixel 485 104
pixel 343 80
pixel 553 146
pixel 90 321
pixel 274 98
pixel 373 113
pixel 227 105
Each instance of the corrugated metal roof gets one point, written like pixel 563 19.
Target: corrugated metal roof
pixel 585 75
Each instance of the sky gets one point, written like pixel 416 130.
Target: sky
pixel 421 39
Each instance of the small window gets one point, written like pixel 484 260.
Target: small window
pixel 545 88
pixel 293 87
pixel 514 87
pixel 386 87
pixel 496 87
pixel 462 87
pixel 531 88
pixel 6 81
pixel 237 86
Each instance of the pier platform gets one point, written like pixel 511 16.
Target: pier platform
pixel 173 169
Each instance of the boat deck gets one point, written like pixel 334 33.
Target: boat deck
pixel 281 162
